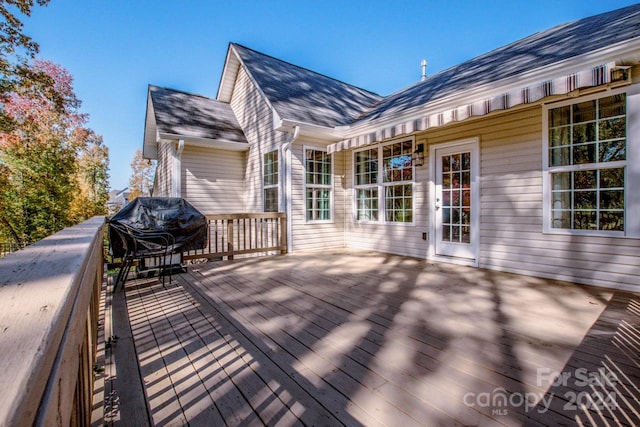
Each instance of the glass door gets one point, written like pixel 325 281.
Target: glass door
pixel 455 207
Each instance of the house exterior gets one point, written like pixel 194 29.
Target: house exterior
pixel 525 159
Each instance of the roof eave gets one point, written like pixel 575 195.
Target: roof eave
pixel 312 130
pixel 221 144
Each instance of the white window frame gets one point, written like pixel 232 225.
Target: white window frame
pixel 266 186
pixel 631 165
pixel 374 186
pixel 308 186
pixel 380 185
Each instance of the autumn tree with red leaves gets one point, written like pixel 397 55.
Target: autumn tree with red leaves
pixel 16 51
pixel 56 168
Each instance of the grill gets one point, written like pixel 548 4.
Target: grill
pixel 155 229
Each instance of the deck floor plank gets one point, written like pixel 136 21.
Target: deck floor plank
pixel 356 364
pixel 361 338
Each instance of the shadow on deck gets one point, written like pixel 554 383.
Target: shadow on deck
pixel 363 338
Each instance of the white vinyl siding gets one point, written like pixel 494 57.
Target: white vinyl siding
pixel 164 169
pixel 311 235
pixel 256 119
pixel 213 180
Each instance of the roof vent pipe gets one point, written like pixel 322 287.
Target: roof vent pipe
pixel 423 64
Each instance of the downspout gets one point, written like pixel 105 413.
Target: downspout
pixel 176 191
pixel 344 200
pixel 286 155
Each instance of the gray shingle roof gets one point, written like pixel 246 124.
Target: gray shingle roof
pixel 195 116
pixel 548 47
pixel 302 95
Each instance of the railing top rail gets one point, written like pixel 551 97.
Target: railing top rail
pixel 39 286
pixel 265 215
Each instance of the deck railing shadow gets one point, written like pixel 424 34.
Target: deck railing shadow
pixel 296 338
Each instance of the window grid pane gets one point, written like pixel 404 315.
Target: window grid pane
pixel 367 204
pixel 399 203
pixel 396 162
pixel 366 167
pixel 270 168
pixel 318 166
pixel 271 199
pixel 588 200
pixel 588 133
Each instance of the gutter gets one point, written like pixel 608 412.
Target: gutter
pixel 286 155
pixel 176 184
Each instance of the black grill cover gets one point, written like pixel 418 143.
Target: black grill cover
pixel 173 215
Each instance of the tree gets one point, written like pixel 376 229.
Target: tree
pixel 16 50
pixel 142 174
pixel 42 155
pixel 92 179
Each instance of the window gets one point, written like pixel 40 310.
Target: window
pixel 270 181
pixel 366 180
pixel 319 171
pixel 390 186
pixel 587 162
pixel 397 181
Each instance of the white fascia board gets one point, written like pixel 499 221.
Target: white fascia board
pixel 221 144
pixel 228 77
pixel 151 136
pixel 308 129
pixel 627 52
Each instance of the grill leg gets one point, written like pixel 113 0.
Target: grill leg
pixel 123 274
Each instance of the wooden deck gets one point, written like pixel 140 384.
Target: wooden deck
pixel 362 338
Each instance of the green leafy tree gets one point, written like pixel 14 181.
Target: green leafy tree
pixel 92 179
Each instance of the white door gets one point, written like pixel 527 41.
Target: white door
pixel 455 208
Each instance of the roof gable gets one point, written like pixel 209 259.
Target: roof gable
pixel 301 95
pixel 534 52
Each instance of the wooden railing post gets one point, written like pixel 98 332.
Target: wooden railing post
pixel 283 235
pixel 230 238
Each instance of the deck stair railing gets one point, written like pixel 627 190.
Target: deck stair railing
pixel 243 233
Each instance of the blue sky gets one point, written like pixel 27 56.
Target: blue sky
pixel 115 48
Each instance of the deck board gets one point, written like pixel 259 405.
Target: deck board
pixel 361 338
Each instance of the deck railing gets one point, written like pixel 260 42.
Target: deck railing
pixel 243 233
pixel 7 247
pixel 49 302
